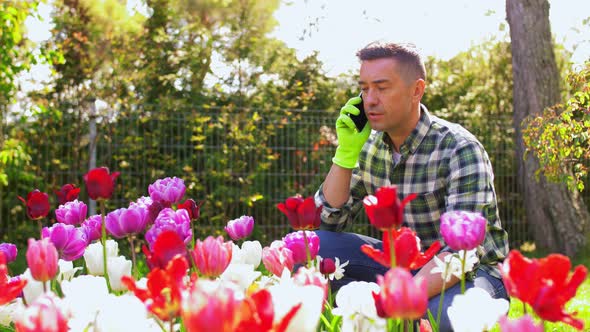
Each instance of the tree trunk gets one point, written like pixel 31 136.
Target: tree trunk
pixel 557 216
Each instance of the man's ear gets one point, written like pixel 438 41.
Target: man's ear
pixel 419 86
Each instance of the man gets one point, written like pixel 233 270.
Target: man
pixel 441 162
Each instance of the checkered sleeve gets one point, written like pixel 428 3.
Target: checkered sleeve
pixel 471 189
pixel 338 219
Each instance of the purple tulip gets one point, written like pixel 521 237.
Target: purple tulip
pixel 240 228
pixel 167 191
pixel 71 213
pixel 69 241
pixel 91 227
pixel 9 251
pixel 123 222
pixel 296 243
pixel 168 219
pixel 463 230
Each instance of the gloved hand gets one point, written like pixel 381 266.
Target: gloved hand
pixel 350 140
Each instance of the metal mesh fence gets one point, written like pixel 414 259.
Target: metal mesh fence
pixel 236 161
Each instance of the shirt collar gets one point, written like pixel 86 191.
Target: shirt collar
pixel 413 141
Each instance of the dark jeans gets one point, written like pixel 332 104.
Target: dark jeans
pixel 346 246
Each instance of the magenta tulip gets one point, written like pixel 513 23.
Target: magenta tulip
pixel 296 243
pixel 124 222
pixel 463 230
pixel 71 213
pixel 10 251
pixel 167 191
pixel 42 259
pixel 240 228
pixel 169 219
pixel 69 241
pixel 522 324
pixel 91 227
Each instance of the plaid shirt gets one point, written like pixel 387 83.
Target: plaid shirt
pixel 445 165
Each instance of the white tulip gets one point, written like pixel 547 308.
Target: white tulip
pixel 475 311
pixel 355 303
pixel 66 270
pixel 10 310
pixel 34 288
pixel 84 295
pixel 124 313
pixel 452 264
pixel 250 253
pixel 241 274
pixel 117 268
pixel 94 259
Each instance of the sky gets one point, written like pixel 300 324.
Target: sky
pixel 339 28
pixel 442 28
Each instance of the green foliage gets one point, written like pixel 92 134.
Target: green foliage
pixel 560 137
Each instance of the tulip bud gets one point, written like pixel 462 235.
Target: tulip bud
pixel 42 259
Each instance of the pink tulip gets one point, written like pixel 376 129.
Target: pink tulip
pixel 463 230
pixel 71 213
pixel 167 191
pixel 240 228
pixel 210 306
pixel 296 243
pixel 277 257
pixel 42 259
pixel 69 241
pixel 401 296
pixel 168 219
pixel 522 324
pixel 212 256
pixel 43 315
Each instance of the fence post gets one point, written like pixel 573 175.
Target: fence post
pixel 92 146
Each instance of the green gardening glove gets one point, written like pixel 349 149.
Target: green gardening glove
pixel 350 140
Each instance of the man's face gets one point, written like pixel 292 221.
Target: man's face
pixel 391 103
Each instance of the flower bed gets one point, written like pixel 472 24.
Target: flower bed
pixel 216 285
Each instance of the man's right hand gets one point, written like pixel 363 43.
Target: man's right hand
pixel 350 140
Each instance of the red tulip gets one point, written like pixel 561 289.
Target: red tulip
pixel 164 289
pixel 194 209
pixel 277 257
pixel 384 209
pixel 37 203
pixel 67 193
pixel 167 245
pixel 327 266
pixel 256 313
pixel 42 259
pixel 546 284
pixel 401 295
pixel 99 183
pixel 9 288
pixel 302 213
pixel 407 250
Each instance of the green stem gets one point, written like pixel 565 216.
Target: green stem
pixel 463 259
pixel 392 249
pixel 133 258
pixel 442 295
pixel 103 240
pixel 307 249
pixel 410 325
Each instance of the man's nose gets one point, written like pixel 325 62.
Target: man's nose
pixel 370 98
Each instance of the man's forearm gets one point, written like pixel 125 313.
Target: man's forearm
pixel 336 187
pixel 435 281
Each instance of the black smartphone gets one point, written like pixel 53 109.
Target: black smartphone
pixel 359 120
